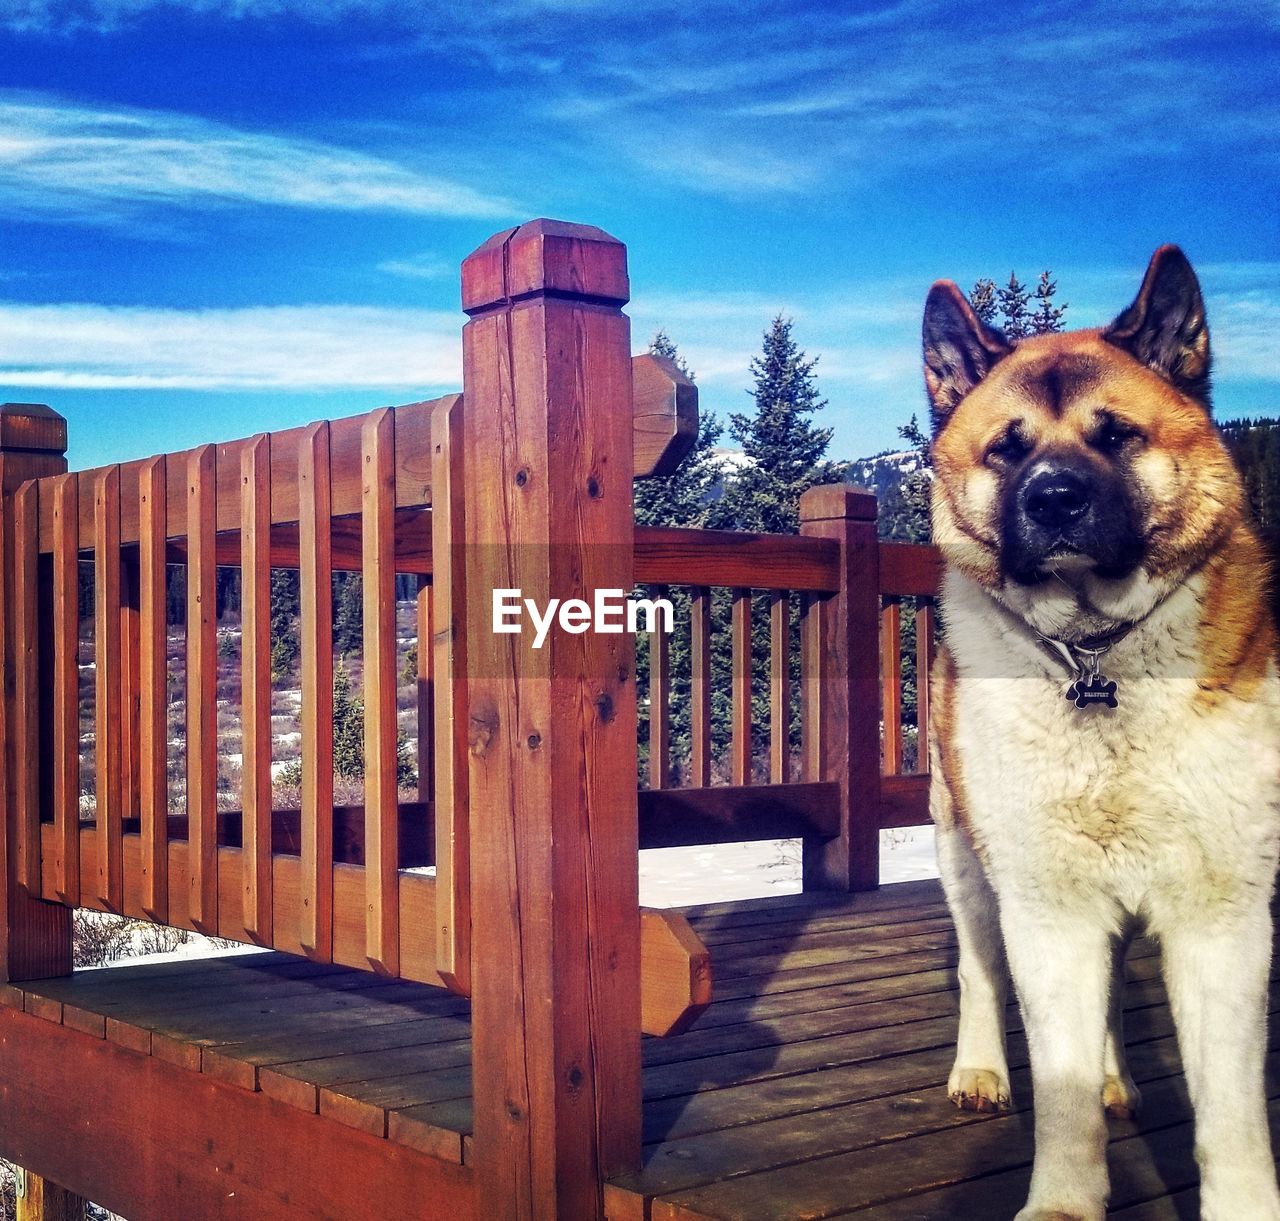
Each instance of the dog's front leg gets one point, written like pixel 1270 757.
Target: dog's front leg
pixel 1217 972
pixel 1061 966
pixel 979 1079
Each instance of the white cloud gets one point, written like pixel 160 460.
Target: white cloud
pixel 61 158
pixel 314 347
pixel 1245 332
pixel 420 267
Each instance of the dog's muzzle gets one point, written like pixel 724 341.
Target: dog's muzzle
pixel 1069 515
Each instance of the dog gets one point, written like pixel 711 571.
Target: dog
pixel 1106 753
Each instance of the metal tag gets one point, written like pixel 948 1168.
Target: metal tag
pixel 1096 689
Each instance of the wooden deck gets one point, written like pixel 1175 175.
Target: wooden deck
pixel 813 1086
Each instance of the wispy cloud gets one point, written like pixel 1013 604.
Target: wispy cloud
pixel 747 98
pixel 419 267
pixel 81 346
pixel 96 165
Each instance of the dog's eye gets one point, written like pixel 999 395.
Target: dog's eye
pixel 1113 435
pixel 1011 446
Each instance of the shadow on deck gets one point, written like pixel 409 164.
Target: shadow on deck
pixel 812 1087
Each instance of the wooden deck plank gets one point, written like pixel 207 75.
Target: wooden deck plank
pixel 810 1076
pixel 844 1019
pixel 747 911
pixel 302 1084
pixel 1146 1162
pixel 240 1063
pixel 713 932
pixel 862 1153
pixel 787 1143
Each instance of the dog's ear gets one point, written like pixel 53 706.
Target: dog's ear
pixel 959 349
pixel 1165 327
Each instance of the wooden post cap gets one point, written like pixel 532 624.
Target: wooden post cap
pixel 546 258
pixel 837 502
pixel 31 428
pixel 665 411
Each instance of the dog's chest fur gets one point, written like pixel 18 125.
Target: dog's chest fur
pixel 1169 799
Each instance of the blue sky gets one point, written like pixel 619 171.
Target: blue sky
pixel 220 216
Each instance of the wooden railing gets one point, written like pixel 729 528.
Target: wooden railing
pixel 527 802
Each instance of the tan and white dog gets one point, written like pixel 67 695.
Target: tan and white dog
pixel 1107 753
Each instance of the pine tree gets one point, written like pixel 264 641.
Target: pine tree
pixel 1009 308
pixel 348 612
pixel 348 738
pixel 348 726
pixel 663 345
pixel 286 606
pixel 983 300
pixel 1014 301
pixel 917 488
pixel 786 452
pixel 1047 318
pixel 786 455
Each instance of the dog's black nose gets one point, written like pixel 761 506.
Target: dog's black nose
pixel 1056 499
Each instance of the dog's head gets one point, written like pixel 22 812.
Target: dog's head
pixel 1078 476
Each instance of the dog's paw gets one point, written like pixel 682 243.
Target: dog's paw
pixel 979 1089
pixel 1121 1098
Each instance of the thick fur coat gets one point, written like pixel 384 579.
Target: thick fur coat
pixel 1082 495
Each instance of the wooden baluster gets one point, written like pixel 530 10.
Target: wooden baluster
pixel 66 688
pixel 153 686
pixel 842 723
pixel 659 701
pixel 381 809
pixel 891 686
pixel 700 686
pixel 448 645
pixel 810 685
pixel 425 692
pixel 202 690
pixel 924 664
pixel 740 742
pixel 108 708
pixel 556 1009
pixel 255 687
pixel 26 719
pixel 315 579
pixel 35 936
pixel 779 687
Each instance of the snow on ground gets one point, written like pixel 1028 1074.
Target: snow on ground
pixel 675 877
pixel 195 948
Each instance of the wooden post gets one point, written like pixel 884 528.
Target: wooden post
pixel 842 709
pixel 555 927
pixel 35 936
pixel 40 1200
